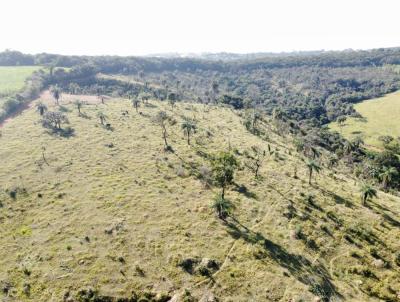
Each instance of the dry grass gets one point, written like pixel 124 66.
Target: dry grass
pixel 99 216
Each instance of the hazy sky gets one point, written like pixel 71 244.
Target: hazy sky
pixel 134 27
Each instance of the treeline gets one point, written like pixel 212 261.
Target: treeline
pixel 334 59
pixel 313 88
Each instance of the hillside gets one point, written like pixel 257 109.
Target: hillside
pixel 12 79
pixel 107 208
pixel 379 118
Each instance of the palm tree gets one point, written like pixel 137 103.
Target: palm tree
pixel 222 206
pixel 42 108
pixel 367 192
pixel 78 105
pixel 102 117
pixel 188 127
pixel 340 120
pixel 136 103
pixel 312 166
pixel 55 91
pixel 387 176
pixel 348 147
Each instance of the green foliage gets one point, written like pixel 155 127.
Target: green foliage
pixel 222 206
pixel 223 167
pixel 189 126
pixel 312 166
pixel 367 192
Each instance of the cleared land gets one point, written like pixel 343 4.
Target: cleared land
pixel 381 117
pixel 12 79
pixel 111 210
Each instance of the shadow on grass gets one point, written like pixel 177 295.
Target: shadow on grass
pixel 242 189
pixel 66 133
pixel 337 198
pixel 85 116
pixel 373 206
pixel 314 275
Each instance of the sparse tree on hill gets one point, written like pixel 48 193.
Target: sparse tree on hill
pixel 54 120
pixel 348 147
pixel 312 167
pixel 367 192
pixel 189 126
pixel 102 117
pixel 144 97
pixel 78 105
pixel 136 103
pixel 172 99
pixel 222 206
pixel 162 119
pixel 387 176
pixel 341 120
pixel 256 159
pixel 224 165
pixel 56 92
pixel 214 91
pixel 42 108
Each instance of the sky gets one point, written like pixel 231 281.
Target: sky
pixel 139 27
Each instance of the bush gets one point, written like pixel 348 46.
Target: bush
pixel 11 105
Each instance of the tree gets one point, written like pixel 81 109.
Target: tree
pixel 367 192
pixel 172 99
pixel 214 90
pixel 54 120
pixel 78 105
pixel 136 103
pixel 256 159
pixel 223 166
pixel 56 92
pixel 255 118
pixel 312 166
pixel 348 147
pixel 222 206
pixel 387 175
pixel 144 97
pixel 102 117
pixel 341 120
pixel 42 108
pixel 161 119
pixel 189 126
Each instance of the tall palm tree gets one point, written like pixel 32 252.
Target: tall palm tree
pixel 136 103
pixel 189 126
pixel 78 105
pixel 312 166
pixel 102 117
pixel 56 92
pixel 387 176
pixel 348 147
pixel 367 192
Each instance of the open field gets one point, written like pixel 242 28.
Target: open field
pixel 110 209
pixel 381 116
pixel 12 79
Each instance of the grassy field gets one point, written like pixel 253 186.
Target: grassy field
pixel 12 78
pixel 380 117
pixel 110 209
